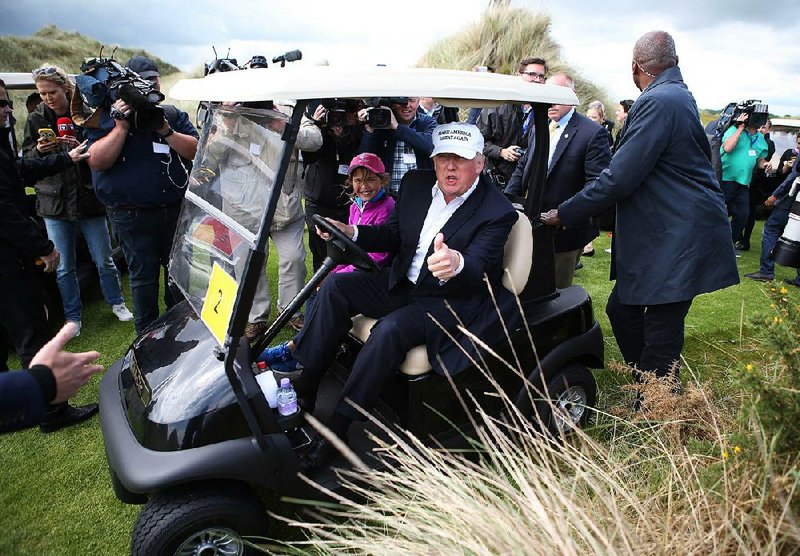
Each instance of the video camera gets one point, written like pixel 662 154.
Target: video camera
pixel 758 113
pixel 379 117
pixel 104 80
pixel 338 108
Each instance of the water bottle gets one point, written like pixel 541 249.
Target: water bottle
pixel 287 398
pixel 266 380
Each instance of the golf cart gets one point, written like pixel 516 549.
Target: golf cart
pixel 187 429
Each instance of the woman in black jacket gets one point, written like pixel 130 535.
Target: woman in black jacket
pixel 67 201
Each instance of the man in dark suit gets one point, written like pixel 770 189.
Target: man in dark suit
pixel 579 152
pixel 448 231
pixel 672 240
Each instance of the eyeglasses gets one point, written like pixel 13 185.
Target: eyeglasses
pixel 47 70
pixel 4 103
pixel 533 75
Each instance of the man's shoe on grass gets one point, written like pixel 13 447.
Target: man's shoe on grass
pixel 297 322
pixel 795 282
pixel 66 416
pixel 760 276
pixel 742 245
pixel 121 312
pixel 253 329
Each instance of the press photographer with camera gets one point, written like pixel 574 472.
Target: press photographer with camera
pixel 336 122
pixel 140 161
pixel 743 149
pixel 400 136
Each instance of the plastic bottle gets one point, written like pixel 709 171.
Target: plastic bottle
pixel 287 398
pixel 266 380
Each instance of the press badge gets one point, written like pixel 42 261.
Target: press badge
pixel 343 168
pixel 751 152
pixel 255 149
pixel 160 148
pixel 409 158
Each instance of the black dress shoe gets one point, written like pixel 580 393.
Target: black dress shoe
pixel 795 282
pixel 318 454
pixel 65 416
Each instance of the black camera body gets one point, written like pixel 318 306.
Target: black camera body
pixel 104 81
pixel 338 108
pixel 378 116
pixel 758 113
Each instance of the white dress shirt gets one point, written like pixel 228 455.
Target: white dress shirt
pixel 562 123
pixel 438 214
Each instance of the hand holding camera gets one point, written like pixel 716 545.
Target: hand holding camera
pixel 120 111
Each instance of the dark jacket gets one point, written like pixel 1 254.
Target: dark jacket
pixel 479 230
pixel 672 239
pixel 24 396
pixel 20 240
pixel 581 154
pixel 324 184
pixel 67 195
pixel 501 127
pixel 419 135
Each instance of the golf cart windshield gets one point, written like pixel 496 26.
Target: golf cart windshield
pixel 232 180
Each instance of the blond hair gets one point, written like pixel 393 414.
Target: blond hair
pixel 53 74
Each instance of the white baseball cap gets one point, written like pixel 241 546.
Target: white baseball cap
pixel 459 138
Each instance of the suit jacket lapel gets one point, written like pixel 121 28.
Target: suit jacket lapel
pixel 459 218
pixel 563 141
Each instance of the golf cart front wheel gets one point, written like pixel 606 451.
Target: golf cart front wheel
pixel 572 393
pixel 216 519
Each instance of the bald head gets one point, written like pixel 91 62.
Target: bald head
pixel 654 52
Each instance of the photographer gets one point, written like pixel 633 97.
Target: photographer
pixel 326 171
pixel 743 148
pixel 405 144
pixel 141 177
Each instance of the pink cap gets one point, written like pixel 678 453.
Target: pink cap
pixel 366 160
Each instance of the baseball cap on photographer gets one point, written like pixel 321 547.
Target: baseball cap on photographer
pixel 145 67
pixel 459 138
pixel 366 160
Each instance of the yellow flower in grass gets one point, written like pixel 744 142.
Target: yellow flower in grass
pixel 737 450
pixel 749 367
pixel 784 291
pixel 724 455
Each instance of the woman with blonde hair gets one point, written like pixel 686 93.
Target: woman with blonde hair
pixel 66 201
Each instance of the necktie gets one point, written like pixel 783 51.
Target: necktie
pixel 553 128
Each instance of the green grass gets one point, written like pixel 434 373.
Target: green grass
pixel 57 496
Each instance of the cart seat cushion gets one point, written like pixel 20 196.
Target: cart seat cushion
pixel 517 260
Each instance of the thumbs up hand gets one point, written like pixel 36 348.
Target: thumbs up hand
pixel 444 261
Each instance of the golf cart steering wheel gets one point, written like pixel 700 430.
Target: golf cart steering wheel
pixel 350 252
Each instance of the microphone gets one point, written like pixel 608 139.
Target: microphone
pixel 65 127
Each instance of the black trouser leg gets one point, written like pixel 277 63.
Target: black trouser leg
pixel 23 314
pixel 650 337
pixel 340 298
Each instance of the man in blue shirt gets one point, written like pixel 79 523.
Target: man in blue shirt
pixel 141 177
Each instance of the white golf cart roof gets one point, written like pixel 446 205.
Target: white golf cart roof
pixel 16 80
pixel 448 87
pixel 786 124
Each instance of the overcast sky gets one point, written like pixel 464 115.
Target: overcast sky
pixel 729 50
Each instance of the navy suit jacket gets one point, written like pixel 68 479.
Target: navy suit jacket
pixel 22 402
pixel 479 230
pixel 581 154
pixel 672 239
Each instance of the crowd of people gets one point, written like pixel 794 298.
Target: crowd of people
pixel 656 177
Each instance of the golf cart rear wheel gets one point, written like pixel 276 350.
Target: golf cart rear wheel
pixel 208 519
pixel 572 392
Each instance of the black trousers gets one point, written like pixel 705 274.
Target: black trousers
pixel 650 337
pixel 400 328
pixel 23 314
pixel 316 244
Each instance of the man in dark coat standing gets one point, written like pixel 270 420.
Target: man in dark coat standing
pixel 448 231
pixel 579 152
pixel 672 239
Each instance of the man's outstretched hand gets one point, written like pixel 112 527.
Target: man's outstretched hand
pixel 71 370
pixel 551 217
pixel 444 261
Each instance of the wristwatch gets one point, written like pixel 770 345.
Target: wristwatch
pixel 169 132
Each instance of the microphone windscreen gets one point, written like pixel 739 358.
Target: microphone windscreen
pixel 65 127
